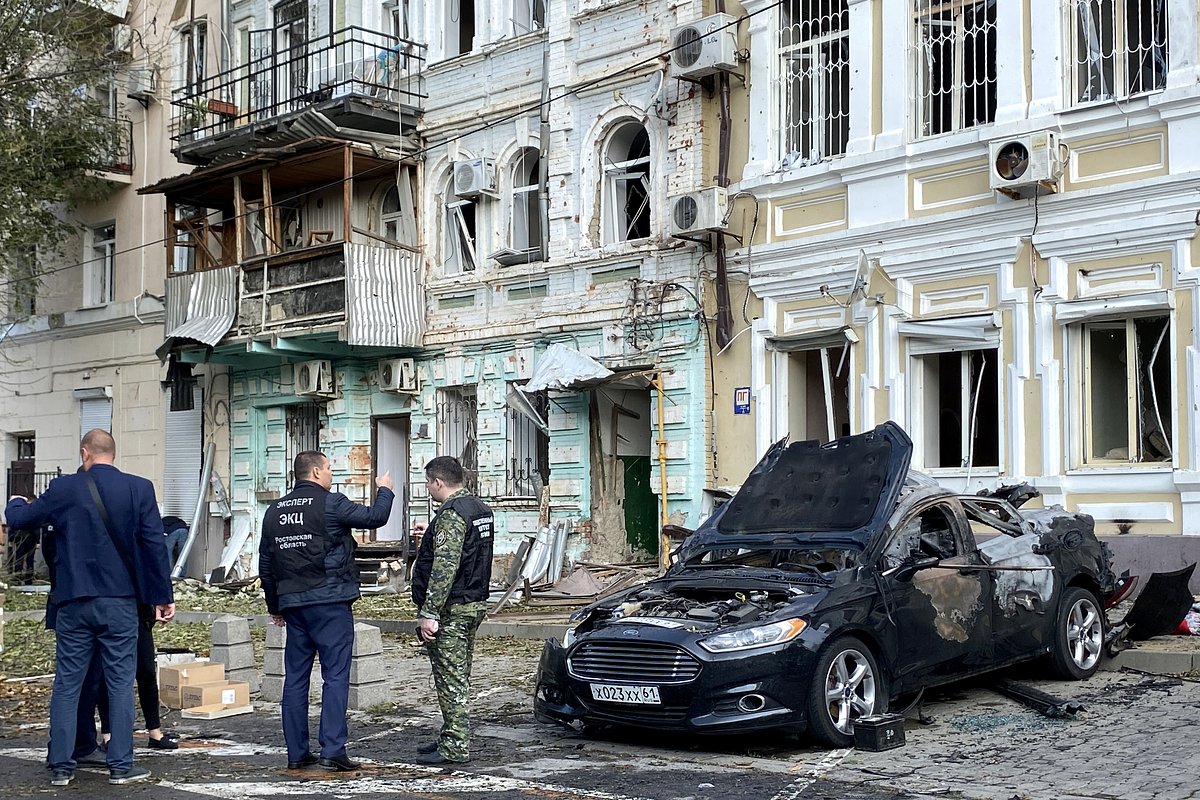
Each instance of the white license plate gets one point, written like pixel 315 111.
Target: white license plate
pixel 637 695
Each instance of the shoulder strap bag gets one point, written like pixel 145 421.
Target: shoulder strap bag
pixel 118 543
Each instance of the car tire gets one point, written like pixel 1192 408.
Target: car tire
pixel 1078 635
pixel 846 685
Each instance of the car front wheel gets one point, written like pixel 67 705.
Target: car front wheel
pixel 846 686
pixel 1078 635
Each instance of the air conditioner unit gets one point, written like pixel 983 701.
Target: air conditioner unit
pixel 398 375
pixel 313 378
pixel 698 212
pixel 141 83
pixel 704 47
pixel 122 40
pixel 1028 165
pixel 475 177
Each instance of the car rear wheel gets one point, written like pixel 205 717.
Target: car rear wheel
pixel 1078 634
pixel 846 686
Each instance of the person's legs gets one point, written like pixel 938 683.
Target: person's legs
pixel 85 719
pixel 298 654
pixel 117 626
pixel 75 641
pixel 450 655
pixel 147 678
pixel 333 634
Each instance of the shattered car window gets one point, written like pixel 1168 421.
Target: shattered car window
pixel 928 534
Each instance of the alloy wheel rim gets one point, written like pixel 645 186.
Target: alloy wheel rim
pixel 1085 634
pixel 849 690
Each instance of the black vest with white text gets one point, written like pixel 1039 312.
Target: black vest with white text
pixel 471 582
pixel 294 530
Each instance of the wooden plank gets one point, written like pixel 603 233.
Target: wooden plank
pixel 215 711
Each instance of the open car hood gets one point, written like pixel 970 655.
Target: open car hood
pixel 806 492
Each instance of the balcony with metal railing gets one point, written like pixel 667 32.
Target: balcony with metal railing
pixel 355 83
pixel 115 162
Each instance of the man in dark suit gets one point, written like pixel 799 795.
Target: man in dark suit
pixel 100 576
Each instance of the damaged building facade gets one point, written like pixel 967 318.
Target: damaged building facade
pixel 392 247
pixel 978 219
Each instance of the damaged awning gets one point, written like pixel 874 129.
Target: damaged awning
pixel 565 369
pixel 813 340
pixel 201 306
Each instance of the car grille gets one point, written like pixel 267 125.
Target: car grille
pixel 632 662
pixel 629 714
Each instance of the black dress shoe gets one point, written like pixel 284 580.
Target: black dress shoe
pixel 306 761
pixel 428 747
pixel 340 763
pixel 162 744
pixel 437 758
pixel 92 759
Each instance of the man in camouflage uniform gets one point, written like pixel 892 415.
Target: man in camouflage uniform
pixel 450 586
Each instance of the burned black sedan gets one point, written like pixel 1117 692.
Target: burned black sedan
pixel 834 582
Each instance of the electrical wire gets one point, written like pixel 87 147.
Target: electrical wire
pixel 423 152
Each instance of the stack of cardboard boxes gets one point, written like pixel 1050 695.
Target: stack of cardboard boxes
pixel 200 689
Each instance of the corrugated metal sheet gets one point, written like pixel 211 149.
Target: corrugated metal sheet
pixel 385 297
pixel 202 305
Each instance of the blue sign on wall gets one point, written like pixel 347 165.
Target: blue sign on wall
pixel 741 400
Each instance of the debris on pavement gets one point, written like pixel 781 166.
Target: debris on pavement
pixel 1158 609
pixel 1044 703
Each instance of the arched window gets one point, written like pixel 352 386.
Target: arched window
pixel 526 229
pixel 390 214
pixel 459 232
pixel 626 202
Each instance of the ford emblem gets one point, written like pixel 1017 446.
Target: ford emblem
pixel 630 632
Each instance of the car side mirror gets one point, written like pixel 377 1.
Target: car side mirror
pixel 911 567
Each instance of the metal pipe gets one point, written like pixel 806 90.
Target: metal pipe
pixel 664 540
pixel 209 454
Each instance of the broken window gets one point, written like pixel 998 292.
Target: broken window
pixel 189 225
pixel 927 534
pixel 302 423
pixel 527 465
pixel 814 79
pixel 100 268
pixel 526 209
pixel 1119 48
pixel 956 397
pixel 193 43
pixel 818 393
pixel 955 60
pixel 456 418
pixel 626 203
pixel 1127 390
pixel 458 27
pixel 459 232
pixel 528 15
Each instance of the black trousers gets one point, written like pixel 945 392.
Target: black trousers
pixel 146 679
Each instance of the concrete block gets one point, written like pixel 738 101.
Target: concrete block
pixel 271 688
pixel 249 675
pixel 276 636
pixel 369 694
pixel 273 662
pixel 367 669
pixel 229 629
pixel 1164 663
pixel 367 640
pixel 234 656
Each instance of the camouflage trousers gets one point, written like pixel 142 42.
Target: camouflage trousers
pixel 450 655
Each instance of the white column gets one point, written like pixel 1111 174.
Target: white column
pixel 1182 43
pixel 1011 91
pixel 897 74
pixel 763 118
pixel 862 70
pixel 1049 57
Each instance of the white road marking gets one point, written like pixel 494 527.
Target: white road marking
pixel 794 789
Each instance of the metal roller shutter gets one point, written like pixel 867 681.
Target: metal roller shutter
pixel 183 446
pixel 95 413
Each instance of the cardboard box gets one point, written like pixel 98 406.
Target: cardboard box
pixel 173 677
pixel 222 693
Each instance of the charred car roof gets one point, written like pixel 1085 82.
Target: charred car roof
pixel 843 491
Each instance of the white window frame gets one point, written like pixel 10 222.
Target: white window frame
pixel 1086 379
pixel 790 388
pixel 100 266
pixel 525 436
pixel 811 71
pixel 1102 49
pixel 193 43
pixel 528 16
pixel 459 240
pixel 452 32
pixel 22 279
pixel 525 215
pixel 956 33
pixel 618 224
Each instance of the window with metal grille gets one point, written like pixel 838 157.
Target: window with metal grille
pixel 303 424
pixel 1118 48
pixel 456 426
pixel 626 210
pixel 814 79
pixel 527 468
pixel 954 54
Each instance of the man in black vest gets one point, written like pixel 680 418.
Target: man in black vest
pixel 450 583
pixel 306 563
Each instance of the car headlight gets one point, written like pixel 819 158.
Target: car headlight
pixel 761 636
pixel 568 637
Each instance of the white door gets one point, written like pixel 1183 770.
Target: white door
pixel 391 454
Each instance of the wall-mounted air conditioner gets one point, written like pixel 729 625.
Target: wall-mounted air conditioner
pixel 1027 165
pixel 314 378
pixel 698 212
pixel 475 177
pixel 398 375
pixel 122 40
pixel 141 83
pixel 704 47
